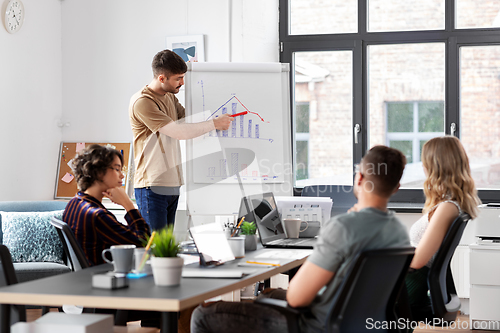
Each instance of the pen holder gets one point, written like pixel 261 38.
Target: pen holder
pixel 237 245
pixel 232 231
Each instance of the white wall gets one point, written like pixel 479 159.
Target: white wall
pixel 108 47
pixel 81 60
pixel 30 102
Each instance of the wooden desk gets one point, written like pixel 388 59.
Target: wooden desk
pixel 142 294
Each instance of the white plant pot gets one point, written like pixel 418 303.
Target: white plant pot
pixel 167 271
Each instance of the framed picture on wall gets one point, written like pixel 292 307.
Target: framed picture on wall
pixel 190 48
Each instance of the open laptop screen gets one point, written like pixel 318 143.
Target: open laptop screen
pixel 262 209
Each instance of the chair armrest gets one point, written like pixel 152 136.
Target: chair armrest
pixel 280 305
pixel 289 312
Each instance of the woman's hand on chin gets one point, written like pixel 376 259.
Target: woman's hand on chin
pixel 120 197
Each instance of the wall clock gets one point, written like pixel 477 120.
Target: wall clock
pixel 14 16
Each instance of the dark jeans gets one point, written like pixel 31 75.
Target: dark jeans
pixel 241 317
pixel 157 205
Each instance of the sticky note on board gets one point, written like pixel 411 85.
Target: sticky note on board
pixel 67 178
pixel 80 146
pixel 70 163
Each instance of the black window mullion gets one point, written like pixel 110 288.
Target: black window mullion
pixel 449 15
pixel 452 86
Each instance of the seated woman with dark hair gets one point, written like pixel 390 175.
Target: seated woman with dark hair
pixel 98 172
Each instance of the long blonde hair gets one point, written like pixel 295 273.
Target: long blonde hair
pixel 448 175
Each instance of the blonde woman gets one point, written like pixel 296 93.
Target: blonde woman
pixel 449 191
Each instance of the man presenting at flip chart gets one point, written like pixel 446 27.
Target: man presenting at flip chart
pixel 157 121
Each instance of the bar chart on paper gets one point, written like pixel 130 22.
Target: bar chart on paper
pixel 245 126
pixel 257 131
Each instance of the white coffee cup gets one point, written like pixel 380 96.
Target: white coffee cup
pixel 292 227
pixel 138 255
pixel 122 257
pixel 237 245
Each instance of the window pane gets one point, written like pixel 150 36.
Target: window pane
pixel 323 17
pixel 400 117
pixel 431 117
pixel 302 160
pixel 480 112
pixel 406 100
pixel 397 15
pixel 406 147
pixel 302 117
pixel 477 14
pixel 323 80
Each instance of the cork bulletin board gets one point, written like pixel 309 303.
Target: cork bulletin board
pixel 66 183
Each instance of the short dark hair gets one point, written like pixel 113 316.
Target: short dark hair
pixel 91 163
pixel 383 166
pixel 168 63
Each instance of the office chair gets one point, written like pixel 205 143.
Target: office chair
pixel 74 253
pixel 445 303
pixel 370 289
pixel 9 314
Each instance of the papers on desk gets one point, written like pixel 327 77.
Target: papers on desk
pixel 216 272
pixel 289 254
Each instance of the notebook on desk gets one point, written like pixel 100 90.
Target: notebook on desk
pixel 262 209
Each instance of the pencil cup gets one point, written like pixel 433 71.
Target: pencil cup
pixel 138 254
pixel 122 257
pixel 237 245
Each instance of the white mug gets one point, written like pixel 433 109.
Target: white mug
pixel 292 227
pixel 122 257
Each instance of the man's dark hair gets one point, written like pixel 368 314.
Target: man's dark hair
pixel 383 166
pixel 91 164
pixel 168 63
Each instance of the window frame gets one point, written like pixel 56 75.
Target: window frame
pixel 358 44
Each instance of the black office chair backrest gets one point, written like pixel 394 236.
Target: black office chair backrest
pixel 341 195
pixel 9 314
pixel 369 290
pixel 76 256
pixel 445 303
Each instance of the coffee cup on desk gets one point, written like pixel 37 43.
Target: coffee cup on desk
pixel 292 227
pixel 122 256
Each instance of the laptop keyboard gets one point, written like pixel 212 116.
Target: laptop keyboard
pixel 293 241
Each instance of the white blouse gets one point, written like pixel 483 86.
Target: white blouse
pixel 417 230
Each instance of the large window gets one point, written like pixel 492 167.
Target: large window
pixel 396 73
pixel 323 117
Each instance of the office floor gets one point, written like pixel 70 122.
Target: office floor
pixel 135 327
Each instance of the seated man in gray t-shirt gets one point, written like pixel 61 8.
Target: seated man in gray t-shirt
pixel 368 225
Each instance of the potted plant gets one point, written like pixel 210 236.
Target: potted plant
pixel 249 229
pixel 166 265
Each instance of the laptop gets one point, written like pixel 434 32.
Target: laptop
pixel 211 244
pixel 262 209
